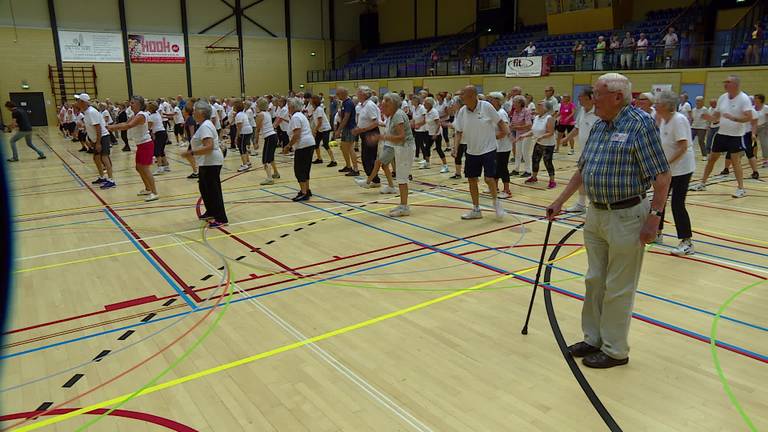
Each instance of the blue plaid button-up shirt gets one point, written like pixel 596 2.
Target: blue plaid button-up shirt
pixel 621 158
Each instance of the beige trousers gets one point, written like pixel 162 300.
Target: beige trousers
pixel 615 257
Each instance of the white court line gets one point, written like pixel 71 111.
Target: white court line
pixel 372 391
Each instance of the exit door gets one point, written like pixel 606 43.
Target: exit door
pixel 33 104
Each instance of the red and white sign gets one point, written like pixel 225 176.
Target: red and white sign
pixel 148 48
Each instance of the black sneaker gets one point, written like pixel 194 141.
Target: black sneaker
pixel 345 169
pixel 724 172
pixel 317 161
pixel 12 160
pixel 332 164
pixel 42 156
pixel 515 173
pixel 126 149
pixel 302 198
pixel 755 175
pixel 352 173
pixel 525 175
pixel 98 181
pixel 205 216
pixel 455 176
pixel 193 176
pixel 83 149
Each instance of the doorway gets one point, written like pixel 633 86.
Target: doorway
pixel 34 104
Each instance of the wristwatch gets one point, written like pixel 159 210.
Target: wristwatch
pixel 656 212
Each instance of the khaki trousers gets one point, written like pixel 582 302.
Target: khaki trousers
pixel 615 257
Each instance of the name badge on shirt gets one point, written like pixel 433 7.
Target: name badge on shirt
pixel 619 137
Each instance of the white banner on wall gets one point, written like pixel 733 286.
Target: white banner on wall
pixel 149 48
pixel 658 88
pixel 91 47
pixel 523 67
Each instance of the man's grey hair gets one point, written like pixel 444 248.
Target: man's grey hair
pixel 496 95
pixel 296 104
pixel 548 106
pixel 735 78
pixel 430 101
pixel 617 82
pixel 204 108
pixel 699 98
pixel 366 91
pixel 394 99
pixel 668 99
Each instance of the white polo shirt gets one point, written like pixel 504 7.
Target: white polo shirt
pixel 584 122
pixel 735 107
pixel 367 115
pixel 479 128
pixel 91 118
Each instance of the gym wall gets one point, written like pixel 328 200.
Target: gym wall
pixel 396 18
pixel 28 49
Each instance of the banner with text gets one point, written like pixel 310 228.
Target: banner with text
pixel 523 67
pixel 148 48
pixel 91 47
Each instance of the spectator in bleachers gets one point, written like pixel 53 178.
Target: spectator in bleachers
pixel 615 51
pixel 530 50
pixel 755 47
pixel 578 55
pixel 641 51
pixel 627 49
pixel 599 53
pixel 671 42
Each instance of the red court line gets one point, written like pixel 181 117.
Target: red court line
pixel 133 415
pixel 129 303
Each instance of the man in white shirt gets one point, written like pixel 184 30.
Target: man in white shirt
pixel 733 111
pixel 98 137
pixel 478 129
pixel 670 41
pixel 685 107
pixel 585 119
pixel 530 50
pixel 368 116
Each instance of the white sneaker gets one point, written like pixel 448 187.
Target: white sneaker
pixel 576 208
pixel 499 207
pixel 570 152
pixel 486 191
pixel 659 240
pixel 151 197
pixel 158 171
pixel 267 181
pixel 167 168
pixel 423 164
pixel 503 195
pixel 143 192
pixel 473 214
pixel 399 211
pixel 387 190
pixel 363 183
pixel 698 187
pixel 444 169
pixel 685 248
pixel 243 168
pixel 704 158
pixel 740 193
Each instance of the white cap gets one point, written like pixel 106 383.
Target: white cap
pixel 83 97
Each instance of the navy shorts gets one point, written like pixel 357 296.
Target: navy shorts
pixel 481 164
pixel 346 136
pixel 727 144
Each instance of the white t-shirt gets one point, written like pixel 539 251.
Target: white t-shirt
pixel 504 144
pixel 157 122
pixel 325 125
pixel 140 134
pixel 419 113
pixel 555 104
pixel 762 117
pixel 242 118
pixel 735 107
pixel 165 108
pixel 266 124
pixel 336 120
pixel 478 128
pixel 92 117
pixel 368 114
pixel 433 122
pixel 282 113
pixel 748 125
pixel 539 128
pixel 69 117
pixel 699 122
pixel 251 113
pixel 584 122
pixel 529 50
pixel 299 121
pixel 215 157
pixel 457 125
pixel 677 129
pixel 684 109
pixel 178 117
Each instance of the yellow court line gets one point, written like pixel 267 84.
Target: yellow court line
pixel 169 245
pixel 282 349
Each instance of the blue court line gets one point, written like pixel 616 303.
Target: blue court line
pixel 204 308
pixel 724 247
pixel 677 303
pixel 157 267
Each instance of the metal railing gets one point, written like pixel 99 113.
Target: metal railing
pixel 655 57
pixel 741 35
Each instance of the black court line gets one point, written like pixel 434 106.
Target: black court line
pixel 101 355
pixel 311 223
pixel 577 373
pixel 72 380
pixel 44 406
pixel 125 335
pixel 270 242
pixel 169 302
pixel 238 258
pixel 298 229
pixel 221 268
pixel 284 235
pixel 148 317
pixel 206 277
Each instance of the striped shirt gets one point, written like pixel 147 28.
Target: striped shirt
pixel 621 158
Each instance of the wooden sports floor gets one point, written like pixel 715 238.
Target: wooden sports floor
pixel 330 316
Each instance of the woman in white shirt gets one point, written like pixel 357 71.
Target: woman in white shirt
pixel 159 136
pixel 242 134
pixel 433 129
pixel 699 125
pixel 504 145
pixel 762 126
pixel 210 158
pixel 104 111
pixel 678 147
pixel 418 125
pixel 543 133
pixel 280 123
pixel 178 123
pixel 250 111
pixel 303 144
pixel 322 130
pixel 265 129
pixel 138 131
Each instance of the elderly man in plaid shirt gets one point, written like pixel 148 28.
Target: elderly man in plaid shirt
pixel 621 159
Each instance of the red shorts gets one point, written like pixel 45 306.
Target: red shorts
pixel 145 152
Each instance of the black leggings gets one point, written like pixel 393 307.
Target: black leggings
pixel 282 137
pixel 302 163
pixel 438 140
pixel 322 137
pixel 679 189
pixel 124 137
pixel 502 166
pixel 421 142
pixel 243 142
pixel 546 152
pixel 460 154
pixel 210 190
pixel 161 139
pixel 445 134
pixel 232 135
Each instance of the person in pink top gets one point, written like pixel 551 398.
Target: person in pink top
pixel 567 120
